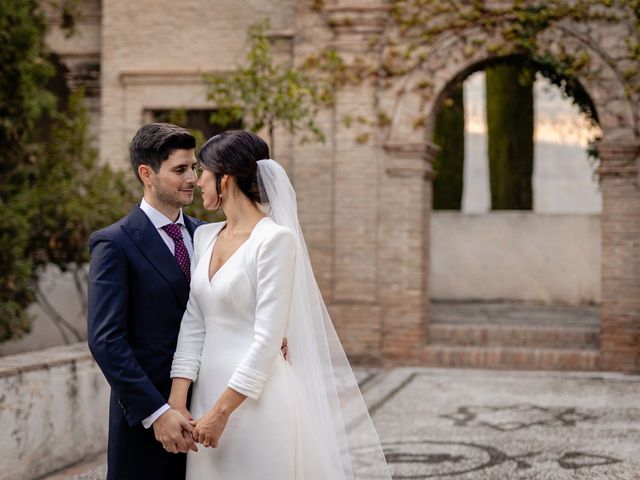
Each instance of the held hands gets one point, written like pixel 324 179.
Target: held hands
pixel 178 431
pixel 174 431
pixel 209 428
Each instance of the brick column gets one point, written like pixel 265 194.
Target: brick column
pixel 355 306
pixel 405 213
pixel 620 339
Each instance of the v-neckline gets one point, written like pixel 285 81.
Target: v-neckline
pixel 213 246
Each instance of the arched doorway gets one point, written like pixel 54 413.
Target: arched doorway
pixel 514 284
pixel 618 150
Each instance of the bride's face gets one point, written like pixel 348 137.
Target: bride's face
pixel 207 184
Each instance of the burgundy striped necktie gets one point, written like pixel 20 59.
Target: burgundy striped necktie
pixel 181 253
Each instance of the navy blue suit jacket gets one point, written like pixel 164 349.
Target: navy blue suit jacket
pixel 137 295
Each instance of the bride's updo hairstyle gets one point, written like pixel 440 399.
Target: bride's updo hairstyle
pixel 236 153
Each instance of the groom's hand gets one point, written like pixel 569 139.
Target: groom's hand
pixel 185 413
pixel 168 430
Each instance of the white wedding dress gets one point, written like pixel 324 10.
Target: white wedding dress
pixel 231 335
pixel 304 419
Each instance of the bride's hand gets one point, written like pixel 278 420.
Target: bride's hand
pixel 178 397
pixel 209 428
pixel 181 406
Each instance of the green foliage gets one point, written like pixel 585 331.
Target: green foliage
pixel 179 117
pixel 23 102
pixel 15 276
pixel 516 28
pixel 449 163
pixel 71 194
pixel 53 193
pixel 503 30
pixel 65 196
pixel 509 93
pixel 23 70
pixel 264 94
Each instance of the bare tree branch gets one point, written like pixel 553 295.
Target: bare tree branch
pixel 55 316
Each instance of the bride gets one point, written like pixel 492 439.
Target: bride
pixel 263 417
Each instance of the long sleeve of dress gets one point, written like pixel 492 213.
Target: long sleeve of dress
pixel 274 284
pixel 186 359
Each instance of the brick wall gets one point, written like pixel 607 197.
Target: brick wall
pixel 365 205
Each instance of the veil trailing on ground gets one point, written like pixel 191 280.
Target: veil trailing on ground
pixel 336 419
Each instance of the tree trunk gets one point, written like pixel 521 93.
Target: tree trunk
pixel 449 164
pixel 509 92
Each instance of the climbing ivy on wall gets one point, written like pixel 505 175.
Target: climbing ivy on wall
pixel 514 29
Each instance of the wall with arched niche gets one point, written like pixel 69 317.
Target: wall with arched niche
pixel 378 184
pixel 451 59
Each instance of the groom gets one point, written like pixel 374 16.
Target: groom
pixel 138 290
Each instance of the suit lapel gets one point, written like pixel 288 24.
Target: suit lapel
pixel 191 224
pixel 142 232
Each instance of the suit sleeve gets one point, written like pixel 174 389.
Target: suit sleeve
pixel 274 285
pixel 108 292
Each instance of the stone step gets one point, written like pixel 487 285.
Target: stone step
pixel 518 358
pixel 514 313
pixel 538 336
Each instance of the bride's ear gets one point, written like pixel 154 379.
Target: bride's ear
pixel 227 181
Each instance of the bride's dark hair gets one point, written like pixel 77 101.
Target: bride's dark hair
pixel 235 152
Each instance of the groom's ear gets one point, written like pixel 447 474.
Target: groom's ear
pixel 145 172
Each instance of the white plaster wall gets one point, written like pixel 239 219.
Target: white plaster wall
pixel 60 290
pixel 519 256
pixel 53 411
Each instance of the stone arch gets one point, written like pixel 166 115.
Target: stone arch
pixel 450 59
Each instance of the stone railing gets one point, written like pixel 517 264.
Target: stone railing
pixel 53 411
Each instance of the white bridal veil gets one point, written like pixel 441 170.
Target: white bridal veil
pixel 336 421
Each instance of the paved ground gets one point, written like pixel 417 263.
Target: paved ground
pixel 470 424
pixel 477 424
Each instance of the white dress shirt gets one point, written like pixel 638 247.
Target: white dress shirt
pixel 159 220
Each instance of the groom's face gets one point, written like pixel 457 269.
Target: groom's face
pixel 175 182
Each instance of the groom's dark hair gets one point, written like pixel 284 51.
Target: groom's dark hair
pixel 154 142
pixel 235 152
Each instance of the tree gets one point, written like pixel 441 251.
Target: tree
pixel 23 102
pixel 24 68
pixel 509 93
pixel 264 94
pixel 72 195
pixel 449 163
pixel 53 193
